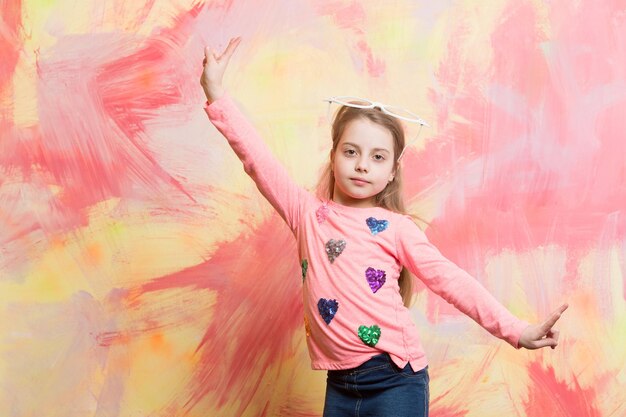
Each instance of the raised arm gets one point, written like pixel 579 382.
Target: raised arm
pixel 266 171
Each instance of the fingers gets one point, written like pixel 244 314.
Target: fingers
pixel 539 339
pixel 554 317
pixel 555 336
pixel 230 49
pixel 552 336
pixel 548 341
pixel 209 53
pixel 561 309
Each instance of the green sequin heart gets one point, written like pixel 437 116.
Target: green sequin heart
pixel 305 266
pixel 369 335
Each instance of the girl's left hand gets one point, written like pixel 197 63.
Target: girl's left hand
pixel 537 336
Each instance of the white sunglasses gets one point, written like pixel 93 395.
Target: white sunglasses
pixel 362 103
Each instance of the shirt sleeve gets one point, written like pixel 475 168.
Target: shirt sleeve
pixel 259 163
pixel 454 284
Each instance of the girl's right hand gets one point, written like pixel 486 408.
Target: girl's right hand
pixel 214 67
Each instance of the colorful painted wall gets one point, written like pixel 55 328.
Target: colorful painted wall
pixel 142 274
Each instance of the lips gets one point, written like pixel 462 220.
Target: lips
pixel 359 181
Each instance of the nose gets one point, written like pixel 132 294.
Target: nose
pixel 362 164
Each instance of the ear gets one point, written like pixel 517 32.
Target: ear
pixel 393 173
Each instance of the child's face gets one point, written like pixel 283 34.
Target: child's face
pixel 362 163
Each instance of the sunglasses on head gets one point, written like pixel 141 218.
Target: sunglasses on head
pixel 363 103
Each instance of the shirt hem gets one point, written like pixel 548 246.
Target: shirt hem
pixel 416 363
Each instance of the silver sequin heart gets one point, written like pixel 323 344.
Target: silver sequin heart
pixel 334 248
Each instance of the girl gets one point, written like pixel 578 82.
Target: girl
pixel 355 245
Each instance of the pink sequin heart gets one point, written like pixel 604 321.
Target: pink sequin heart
pixel 375 278
pixel 322 213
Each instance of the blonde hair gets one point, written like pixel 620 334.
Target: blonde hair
pixel 389 198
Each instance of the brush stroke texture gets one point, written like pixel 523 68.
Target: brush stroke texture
pixel 141 273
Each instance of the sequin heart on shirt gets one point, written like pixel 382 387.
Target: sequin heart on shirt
pixel 307 326
pixel 327 309
pixel 334 248
pixel 375 278
pixel 305 266
pixel 322 213
pixel 376 226
pixel 369 335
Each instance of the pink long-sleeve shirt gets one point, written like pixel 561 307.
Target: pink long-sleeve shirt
pixel 351 260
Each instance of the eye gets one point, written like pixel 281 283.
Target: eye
pixel 379 157
pixel 349 152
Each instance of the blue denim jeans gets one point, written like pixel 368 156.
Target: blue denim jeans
pixel 377 388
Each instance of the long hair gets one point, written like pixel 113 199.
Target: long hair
pixel 390 197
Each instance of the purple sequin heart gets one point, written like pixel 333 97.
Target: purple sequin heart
pixel 334 248
pixel 376 278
